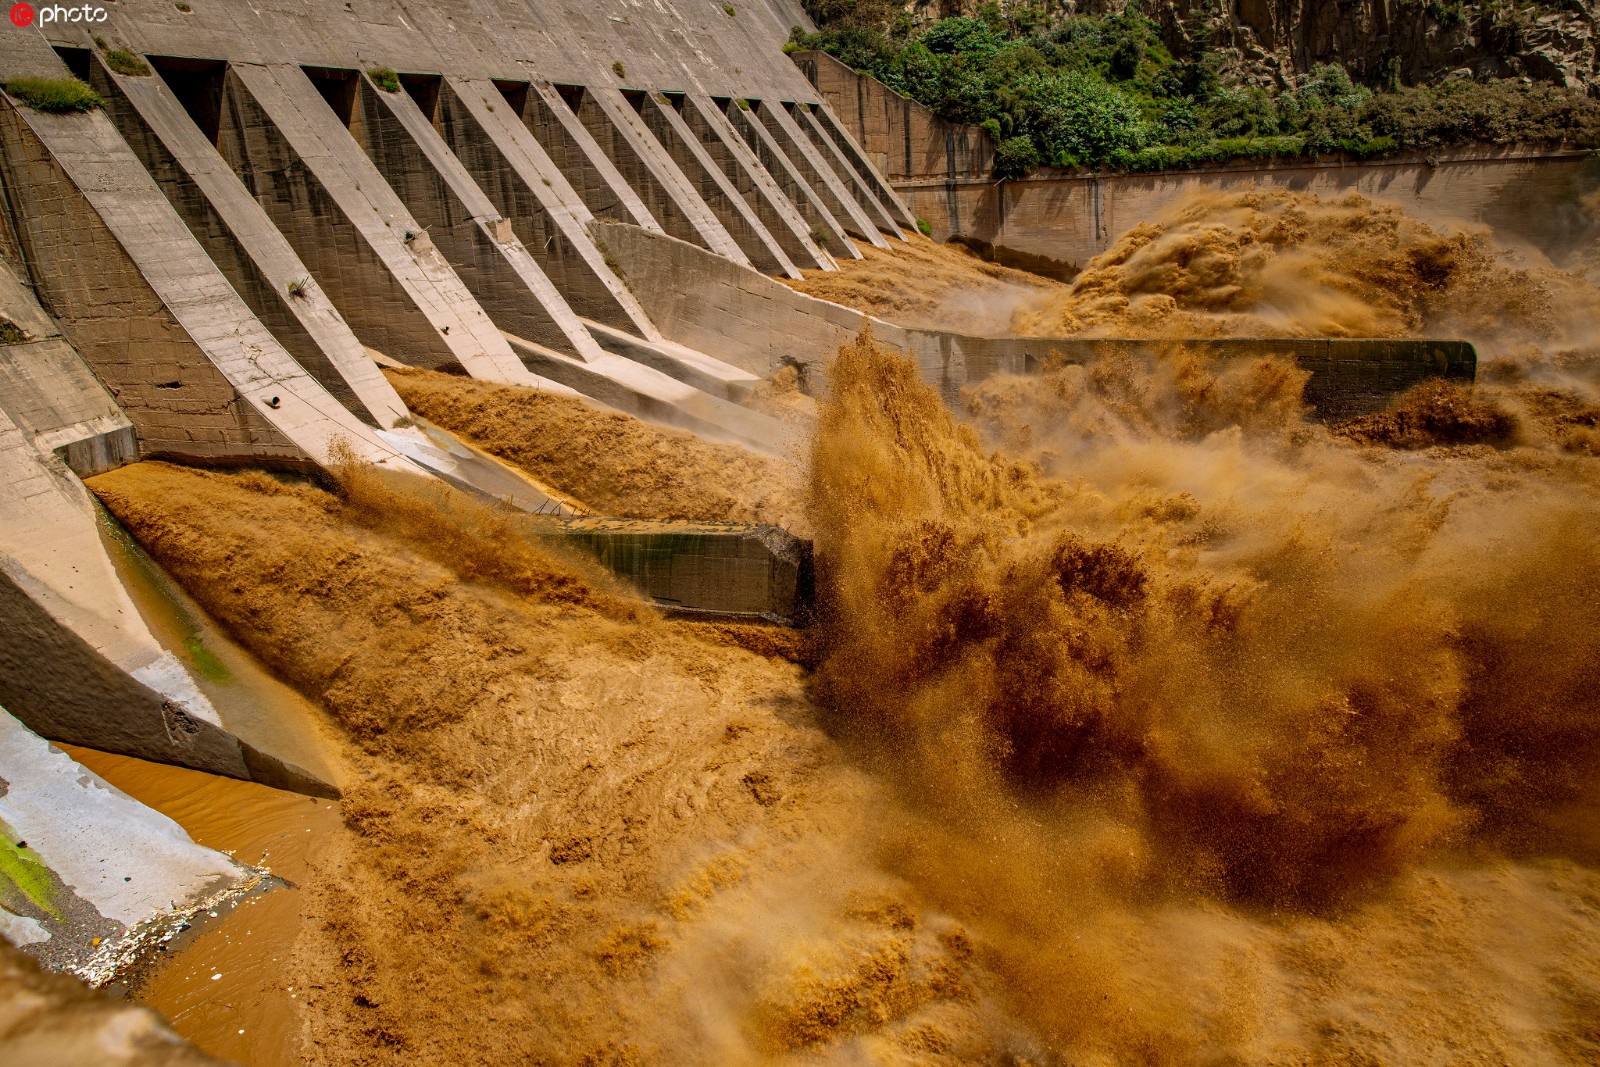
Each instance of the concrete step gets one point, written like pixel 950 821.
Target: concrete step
pixel 654 396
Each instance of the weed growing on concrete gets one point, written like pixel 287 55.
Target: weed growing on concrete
pixel 820 236
pixel 126 63
pixel 926 230
pixel 619 70
pixel 300 289
pixel 55 95
pixel 744 105
pixel 185 8
pixel 11 333
pixel 729 9
pixel 385 79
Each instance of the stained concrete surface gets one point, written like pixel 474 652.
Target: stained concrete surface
pixel 92 879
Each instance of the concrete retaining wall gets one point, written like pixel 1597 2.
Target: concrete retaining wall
pixel 731 571
pixel 761 325
pixel 1055 222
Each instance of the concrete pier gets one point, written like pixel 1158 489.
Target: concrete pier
pixel 555 125
pixel 240 238
pixel 661 115
pixel 670 195
pixel 826 228
pixel 296 155
pixel 544 210
pixel 463 223
pixel 760 190
pixel 818 174
pixel 866 195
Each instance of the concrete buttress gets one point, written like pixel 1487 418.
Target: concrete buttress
pixel 549 217
pixel 660 114
pixel 242 240
pixel 460 219
pixel 362 245
pixel 826 228
pixel 758 187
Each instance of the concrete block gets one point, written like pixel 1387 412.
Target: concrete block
pixel 95 881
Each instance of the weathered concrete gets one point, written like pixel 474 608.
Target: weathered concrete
pixel 197 373
pixel 901 138
pixel 761 325
pixel 660 114
pixel 93 879
pixel 51 395
pixel 705 373
pixel 840 133
pixel 462 222
pixel 865 193
pixel 684 45
pixel 1054 222
pixel 642 390
pixel 705 569
pixel 244 244
pixel 77 663
pixel 758 187
pixel 398 294
pixel 819 175
pixel 556 126
pixel 825 228
pixel 670 195
pixel 547 214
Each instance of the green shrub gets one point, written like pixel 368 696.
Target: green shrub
pixel 1015 157
pixel 619 70
pixel 924 228
pixel 126 63
pixel 729 9
pixel 55 95
pixel 11 333
pixel 385 79
pixel 1103 90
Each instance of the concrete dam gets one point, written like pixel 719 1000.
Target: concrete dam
pixel 268 204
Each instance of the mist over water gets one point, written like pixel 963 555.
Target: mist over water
pixel 1149 723
pixel 1235 738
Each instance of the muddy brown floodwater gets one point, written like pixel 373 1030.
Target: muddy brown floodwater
pixel 248 1013
pixel 1146 723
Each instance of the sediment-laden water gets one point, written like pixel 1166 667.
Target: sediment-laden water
pixel 1148 722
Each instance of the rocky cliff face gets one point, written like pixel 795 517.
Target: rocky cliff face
pixel 1382 42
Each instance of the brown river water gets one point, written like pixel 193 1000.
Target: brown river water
pixel 1145 721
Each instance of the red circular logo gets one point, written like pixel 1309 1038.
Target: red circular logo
pixel 22 14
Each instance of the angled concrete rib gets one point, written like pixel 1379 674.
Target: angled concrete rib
pixel 510 165
pixel 852 149
pixel 363 246
pixel 816 170
pixel 804 116
pixel 182 354
pixel 244 243
pixel 642 159
pixel 466 226
pixel 741 220
pixel 791 180
pixel 573 149
pixel 725 145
